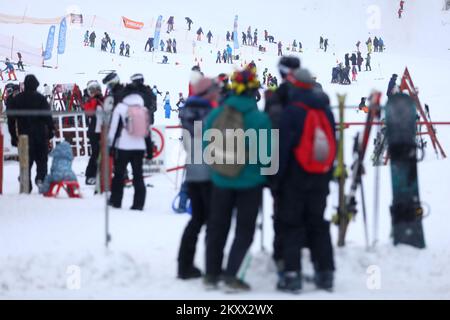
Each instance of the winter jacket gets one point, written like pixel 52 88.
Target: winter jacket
pixel 9 66
pixel 61 169
pixel 40 128
pixel 195 109
pixel 354 60
pixel 276 101
pixel 124 140
pixel 229 51
pixel 391 86
pixel 290 174
pixel 250 175
pixel 93 119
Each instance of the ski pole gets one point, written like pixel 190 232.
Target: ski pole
pixel 363 202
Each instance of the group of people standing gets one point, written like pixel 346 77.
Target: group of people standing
pixel 106 41
pixel 300 191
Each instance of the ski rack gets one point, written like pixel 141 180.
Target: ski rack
pixel 407 84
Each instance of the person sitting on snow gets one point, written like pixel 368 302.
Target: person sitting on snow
pixel 61 169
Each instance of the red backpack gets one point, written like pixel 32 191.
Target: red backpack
pixel 316 150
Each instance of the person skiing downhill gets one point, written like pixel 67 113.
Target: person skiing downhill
pixel 209 36
pixel 10 69
pixel 189 23
pixel 199 34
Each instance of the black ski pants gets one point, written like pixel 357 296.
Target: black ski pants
pixel 223 201
pixel 301 216
pixel 38 153
pixel 91 169
pixel 200 196
pixel 122 159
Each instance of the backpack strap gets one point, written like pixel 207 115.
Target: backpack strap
pixel 302 105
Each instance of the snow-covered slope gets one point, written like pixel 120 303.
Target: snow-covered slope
pixel 41 238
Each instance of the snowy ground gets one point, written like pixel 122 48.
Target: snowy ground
pixel 44 241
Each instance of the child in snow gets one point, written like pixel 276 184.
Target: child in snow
pixel 354 73
pixel 10 69
pixel 61 167
pixel 113 47
pixel 167 106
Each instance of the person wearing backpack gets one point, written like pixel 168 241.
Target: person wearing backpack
pixel 235 186
pixel 307 153
pixel 198 176
pixel 129 129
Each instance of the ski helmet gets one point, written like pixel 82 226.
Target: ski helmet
pixel 111 80
pixel 93 88
pixel 137 78
pixel 288 64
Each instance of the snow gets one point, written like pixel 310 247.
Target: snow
pixel 42 239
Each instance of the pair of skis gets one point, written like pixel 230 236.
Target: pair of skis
pixel 347 202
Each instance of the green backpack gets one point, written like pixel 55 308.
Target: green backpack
pixel 228 122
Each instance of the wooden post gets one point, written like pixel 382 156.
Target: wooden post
pixel 24 164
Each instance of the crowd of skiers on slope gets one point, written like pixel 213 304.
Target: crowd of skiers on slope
pixel 106 44
pixel 353 63
pixel 169 46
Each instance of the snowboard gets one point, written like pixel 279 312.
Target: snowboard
pixel 406 210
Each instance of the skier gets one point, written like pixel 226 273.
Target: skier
pixel 300 47
pixel 244 39
pixel 354 73
pixel 359 61
pixel 242 191
pixel 294 46
pixel 358 44
pixel 266 35
pixel 219 57
pixel 400 12
pixel 93 108
pixel 375 44
pixel 127 50
pixel 280 49
pixel 174 45
pixel 321 42
pixel 266 71
pixel 362 105
pixel 165 60
pixel 325 45
pixel 228 36
pixel 402 3
pixel 189 23
pixel 113 47
pixel 302 187
pixel 147 94
pixel 392 85
pixel 199 34
pixel 381 44
pixel 162 45
pixel 198 177
pixel 122 48
pixel 86 38
pixel 128 146
pixel 167 106
pixel 170 24
pixel 249 39
pixel 39 129
pixel 181 101
pixel 169 46
pixel 92 39
pixel 229 54
pixel 10 69
pixel 149 44
pixel 209 36
pixel 354 59
pixel 225 56
pixel 271 39
pixel 20 63
pixel 103 45
pixel 368 60
pixel 347 60
pixel 156 91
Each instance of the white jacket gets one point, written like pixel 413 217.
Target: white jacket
pixel 125 141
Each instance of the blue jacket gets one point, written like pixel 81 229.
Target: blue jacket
pixel 9 66
pixel 229 50
pixel 61 166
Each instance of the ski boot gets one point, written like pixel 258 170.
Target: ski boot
pixel 235 285
pixel 189 273
pixel 290 282
pixel 211 282
pixel 324 280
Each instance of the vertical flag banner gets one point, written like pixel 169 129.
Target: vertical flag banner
pixel 158 32
pixel 50 42
pixel 235 33
pixel 62 37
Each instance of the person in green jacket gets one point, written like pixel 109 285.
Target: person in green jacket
pixel 241 191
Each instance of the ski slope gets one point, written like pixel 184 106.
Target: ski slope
pixel 42 239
